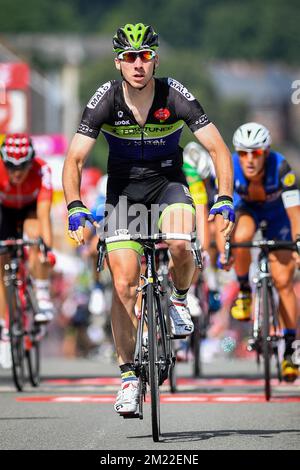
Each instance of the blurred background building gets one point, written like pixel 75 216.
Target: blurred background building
pixel 241 59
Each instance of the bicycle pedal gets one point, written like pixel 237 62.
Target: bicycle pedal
pixel 130 415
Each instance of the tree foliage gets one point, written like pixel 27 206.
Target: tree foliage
pixel 251 29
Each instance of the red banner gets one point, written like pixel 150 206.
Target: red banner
pixel 14 76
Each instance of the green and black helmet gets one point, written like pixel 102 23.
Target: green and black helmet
pixel 135 37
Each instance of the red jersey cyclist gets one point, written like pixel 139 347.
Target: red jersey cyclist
pixel 25 202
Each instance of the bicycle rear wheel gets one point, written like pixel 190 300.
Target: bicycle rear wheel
pixel 153 364
pixel 266 345
pixel 16 333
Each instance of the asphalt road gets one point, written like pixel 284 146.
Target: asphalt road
pixel 72 409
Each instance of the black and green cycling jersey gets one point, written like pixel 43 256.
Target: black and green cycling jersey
pixel 153 149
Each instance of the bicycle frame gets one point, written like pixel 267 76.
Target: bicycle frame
pixel 152 361
pixel 263 272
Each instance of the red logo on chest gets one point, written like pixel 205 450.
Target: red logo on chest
pixel 162 114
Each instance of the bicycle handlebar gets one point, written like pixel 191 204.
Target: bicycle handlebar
pixel 154 238
pixel 19 242
pixel 269 244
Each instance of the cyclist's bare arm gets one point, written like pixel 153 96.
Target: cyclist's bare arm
pixel 212 140
pixel 43 215
pixel 79 149
pixel 294 216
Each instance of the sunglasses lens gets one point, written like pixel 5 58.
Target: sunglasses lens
pixel 146 55
pixel 258 152
pixel 12 167
pixel 131 57
pixel 255 153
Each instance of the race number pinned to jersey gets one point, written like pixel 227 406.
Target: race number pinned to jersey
pixel 181 89
pixel 98 95
pixel 289 179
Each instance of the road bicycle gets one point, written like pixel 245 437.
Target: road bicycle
pixel 25 335
pixel 265 332
pixel 153 356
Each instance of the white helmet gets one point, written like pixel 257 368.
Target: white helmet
pixel 251 136
pixel 197 157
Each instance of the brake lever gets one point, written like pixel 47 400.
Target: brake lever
pixel 227 250
pixel 101 248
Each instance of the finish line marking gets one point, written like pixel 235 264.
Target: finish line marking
pixel 102 381
pixel 164 399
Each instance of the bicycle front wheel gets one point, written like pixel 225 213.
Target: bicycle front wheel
pixel 195 346
pixel 16 333
pixel 266 345
pixel 153 364
pixel 32 341
pixel 33 362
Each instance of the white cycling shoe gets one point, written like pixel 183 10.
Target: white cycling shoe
pixel 181 321
pixel 194 305
pixel 127 399
pixel 45 313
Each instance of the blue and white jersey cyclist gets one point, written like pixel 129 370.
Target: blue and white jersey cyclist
pixel 142 119
pixel 265 190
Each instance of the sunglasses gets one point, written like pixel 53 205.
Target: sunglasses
pixel 131 57
pixel 11 167
pixel 256 153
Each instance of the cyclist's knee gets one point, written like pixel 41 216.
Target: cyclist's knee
pixel 244 230
pixel 242 235
pixel 125 290
pixel 180 249
pixel 283 281
pixel 32 228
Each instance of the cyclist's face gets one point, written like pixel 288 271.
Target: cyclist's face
pixel 137 73
pixel 18 176
pixel 252 163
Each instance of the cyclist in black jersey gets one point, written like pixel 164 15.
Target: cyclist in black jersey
pixel 142 118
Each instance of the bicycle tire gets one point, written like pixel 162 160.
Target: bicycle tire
pixel 33 343
pixel 153 364
pixel 201 324
pixel 173 378
pixel 172 369
pixel 195 343
pixel 16 334
pixel 274 318
pixel 140 359
pixel 33 363
pixel 266 350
